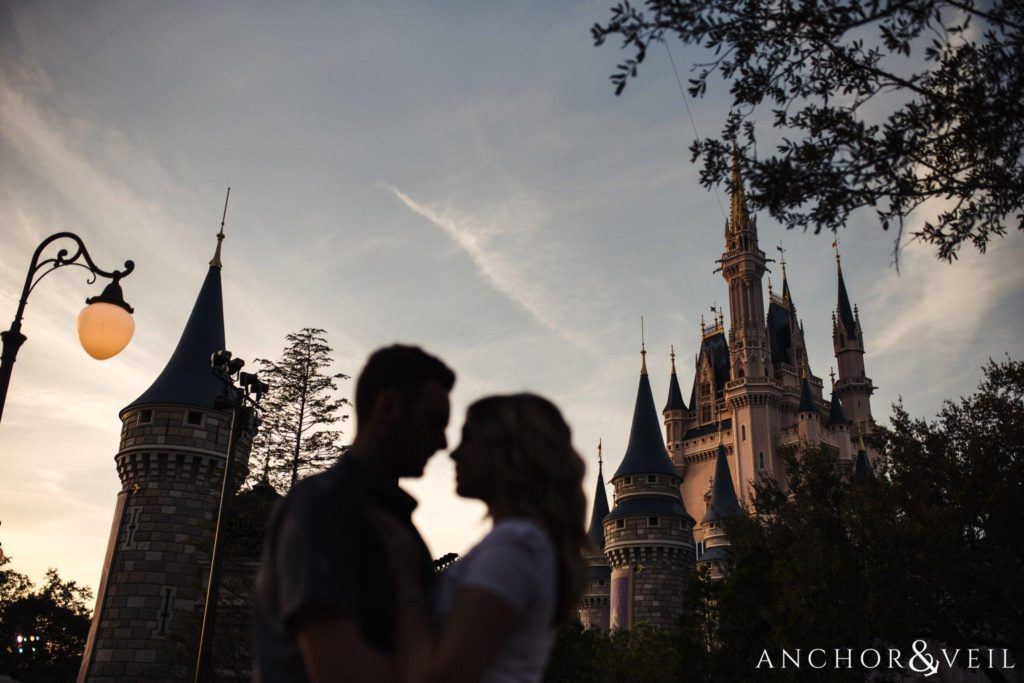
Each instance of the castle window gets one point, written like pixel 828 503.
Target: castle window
pixel 653 521
pixel 600 582
pixel 163 615
pixel 651 478
pixel 760 460
pixel 194 418
pixel 699 548
pixel 620 524
pixel 743 431
pixel 145 416
pixel 627 481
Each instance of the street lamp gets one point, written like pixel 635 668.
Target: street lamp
pixel 105 325
pixel 243 401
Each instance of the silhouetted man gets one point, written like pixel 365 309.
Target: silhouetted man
pixel 324 594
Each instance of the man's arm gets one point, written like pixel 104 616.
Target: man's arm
pixel 334 651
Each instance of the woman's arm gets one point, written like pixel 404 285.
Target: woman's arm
pixel 478 625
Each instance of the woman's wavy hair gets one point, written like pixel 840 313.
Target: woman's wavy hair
pixel 539 475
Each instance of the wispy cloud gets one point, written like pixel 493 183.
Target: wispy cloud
pixel 502 245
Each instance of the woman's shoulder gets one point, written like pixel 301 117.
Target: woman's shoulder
pixel 519 533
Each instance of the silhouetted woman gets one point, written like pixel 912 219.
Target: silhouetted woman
pixel 497 608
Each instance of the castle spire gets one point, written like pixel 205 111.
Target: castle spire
pixel 215 261
pixel 723 494
pixel 643 349
pixel 738 202
pixel 675 394
pixel 595 532
pixel 843 303
pixel 646 452
pixel 862 470
pixel 187 379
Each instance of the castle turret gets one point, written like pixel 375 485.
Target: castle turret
pixel 676 416
pixel 743 266
pixel 808 417
pixel 853 385
pixel 171 462
pixel 724 505
pixel 594 605
pixel 862 470
pixel 648 534
pixel 839 424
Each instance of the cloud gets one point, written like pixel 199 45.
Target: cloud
pixel 511 267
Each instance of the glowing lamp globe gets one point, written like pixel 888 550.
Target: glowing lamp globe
pixel 105 325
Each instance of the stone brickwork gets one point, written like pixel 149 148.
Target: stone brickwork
pixel 150 608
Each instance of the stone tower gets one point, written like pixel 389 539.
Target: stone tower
pixel 853 386
pixel 594 605
pixel 171 460
pixel 649 535
pixel 675 413
pixel 723 505
pixel 748 394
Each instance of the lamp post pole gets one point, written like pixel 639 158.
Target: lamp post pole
pixel 37 270
pixel 243 401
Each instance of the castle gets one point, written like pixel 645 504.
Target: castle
pixel 754 399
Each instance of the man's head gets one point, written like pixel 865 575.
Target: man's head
pixel 402 407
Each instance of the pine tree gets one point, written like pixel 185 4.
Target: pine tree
pixel 295 437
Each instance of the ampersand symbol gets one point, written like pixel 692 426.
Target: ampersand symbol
pixel 931 664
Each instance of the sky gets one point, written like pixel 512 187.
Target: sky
pixel 455 175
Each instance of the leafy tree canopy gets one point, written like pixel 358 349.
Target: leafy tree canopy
pixel 57 614
pixel 296 435
pixel 883 104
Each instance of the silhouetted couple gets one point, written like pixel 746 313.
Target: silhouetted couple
pixel 346 589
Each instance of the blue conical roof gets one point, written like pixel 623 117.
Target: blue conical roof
pixel 723 496
pixel 645 453
pixel 836 416
pixel 862 470
pixel 843 306
pixel 675 395
pixel 806 399
pixel 595 533
pixel 187 378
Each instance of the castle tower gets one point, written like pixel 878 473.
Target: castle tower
pixel 854 387
pixel 840 426
pixel 676 416
pixel 808 418
pixel 743 266
pixel 594 605
pixel 171 460
pixel 648 535
pixel 724 504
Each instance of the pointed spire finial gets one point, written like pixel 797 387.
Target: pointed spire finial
pixel 782 258
pixel 600 457
pixel 215 261
pixel 832 374
pixel 643 349
pixel 738 205
pixel 672 355
pixel 835 246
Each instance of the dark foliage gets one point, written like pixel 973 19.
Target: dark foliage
pixel 56 613
pixel 880 104
pixel 295 437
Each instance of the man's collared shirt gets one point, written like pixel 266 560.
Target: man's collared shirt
pixel 322 554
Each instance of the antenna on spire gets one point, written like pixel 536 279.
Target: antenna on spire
pixel 672 355
pixel 215 261
pixel 643 349
pixel 832 375
pixel 600 458
pixel 782 258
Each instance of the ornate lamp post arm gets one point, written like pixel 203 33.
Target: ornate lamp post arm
pixel 38 269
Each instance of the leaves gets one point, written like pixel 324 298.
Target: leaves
pixel 295 436
pixel 895 106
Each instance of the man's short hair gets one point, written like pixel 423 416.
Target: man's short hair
pixel 402 368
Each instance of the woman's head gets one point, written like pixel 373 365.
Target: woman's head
pixel 516 455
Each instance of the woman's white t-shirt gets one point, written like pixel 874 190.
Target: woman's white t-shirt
pixel 516 562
